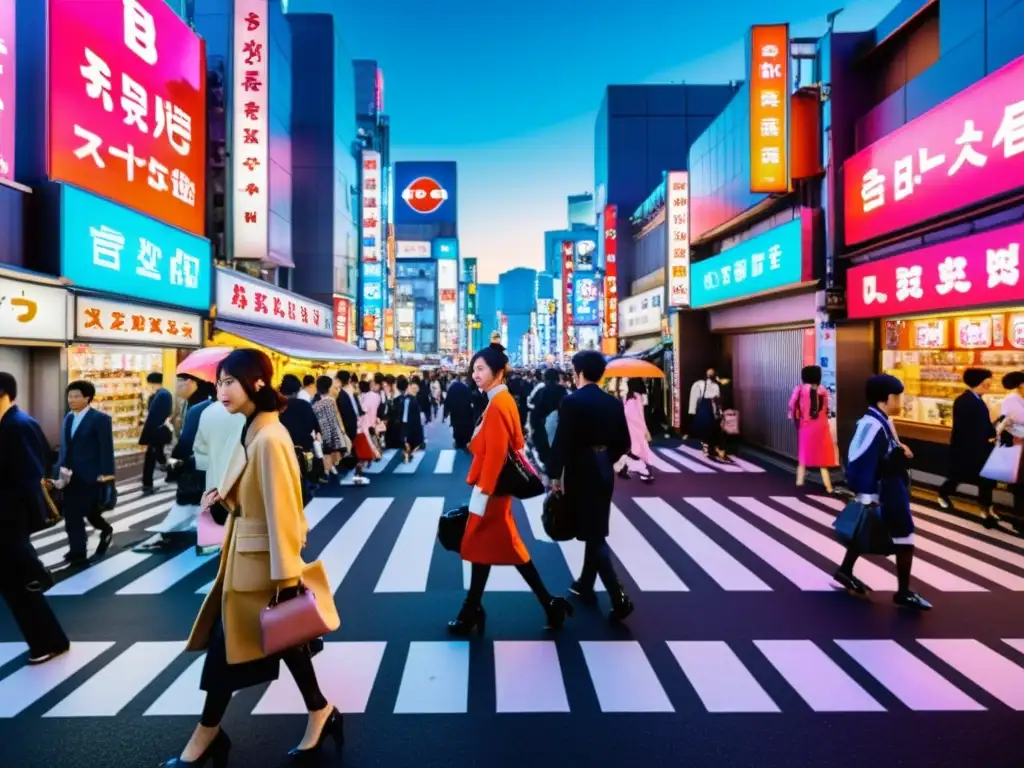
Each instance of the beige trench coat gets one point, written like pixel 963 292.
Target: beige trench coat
pixel 263 542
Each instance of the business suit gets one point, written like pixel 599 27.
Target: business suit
pixel 592 436
pixel 458 407
pixel 969 447
pixel 155 435
pixel 88 452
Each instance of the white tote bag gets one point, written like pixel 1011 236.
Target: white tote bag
pixel 1003 464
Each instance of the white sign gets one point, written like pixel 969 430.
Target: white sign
pixel 448 307
pixel 127 323
pixel 32 311
pixel 677 217
pixel 372 227
pixel 244 298
pixel 412 249
pixel 641 314
pixel 250 136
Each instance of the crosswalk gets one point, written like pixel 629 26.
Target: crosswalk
pixel 663 544
pixel 152 679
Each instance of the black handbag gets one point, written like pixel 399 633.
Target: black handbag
pixel 558 519
pixel 452 527
pixel 108 496
pixel 861 527
pixel 518 478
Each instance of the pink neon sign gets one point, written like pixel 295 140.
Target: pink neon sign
pixel 970 272
pixel 7 58
pixel 966 150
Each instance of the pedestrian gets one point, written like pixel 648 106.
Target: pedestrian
pixel 638 458
pixel 329 421
pixel 878 473
pixel 491 536
pixel 24 458
pixel 309 391
pixel 409 415
pixel 543 403
pixel 348 407
pixel 458 409
pixel 706 413
pixel 971 441
pixel 592 436
pixel 156 430
pixel 808 408
pixel 261 562
pixel 1011 432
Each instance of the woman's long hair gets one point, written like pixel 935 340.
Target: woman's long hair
pixel 635 388
pixel 249 366
pixel 811 375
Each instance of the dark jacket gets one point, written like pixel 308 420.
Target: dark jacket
pixel 161 405
pixel 90 453
pixel 458 407
pixel 24 455
pixel 592 435
pixel 348 407
pixel 412 423
pixel 301 422
pixel 969 445
pixel 547 400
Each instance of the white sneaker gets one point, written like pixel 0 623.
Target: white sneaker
pixel 360 480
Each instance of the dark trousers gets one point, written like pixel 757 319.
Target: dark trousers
pixel 81 503
pixel 540 443
pixel 154 456
pixel 31 611
pixel 985 488
pixel 597 560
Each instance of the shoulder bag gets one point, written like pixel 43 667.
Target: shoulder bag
pixel 518 478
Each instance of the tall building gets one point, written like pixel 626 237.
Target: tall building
pixel 517 300
pixel 581 211
pixel 581 237
pixel 488 312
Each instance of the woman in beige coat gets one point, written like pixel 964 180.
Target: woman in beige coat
pixel 265 532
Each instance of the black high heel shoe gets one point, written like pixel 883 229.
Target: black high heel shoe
pixel 470 617
pixel 217 752
pixel 557 610
pixel 334 727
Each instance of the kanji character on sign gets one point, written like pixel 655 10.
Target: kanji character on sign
pixel 775 256
pixel 250 217
pixel 186 330
pixel 370 223
pixel 251 110
pixel 154 326
pixel 1011 130
pixel 252 51
pixel 304 313
pixel 135 103
pixel 291 310
pixel 769 126
pixel 97 74
pixel 177 123
pixel 172 327
pixel 140 31
pixel 278 307
pixel 238 297
pixel 903 177
pixel 92 318
pixel 131 161
pixel 316 317
pixel 757 264
pixel 968 154
pixel 872 190
pixel 182 187
pixel 117 321
pixel 953 276
pixel 908 283
pixel 252 21
pixel 185 271
pixel 370 185
pixel 870 291
pixel 1003 265
pixel 26 307
pixel 771 99
pixel 739 270
pixel 251 163
pixel 91 148
pixel 261 303
pixel 370 164
pixel 107 245
pixel 139 323
pixel 251 135
pixel 770 71
pixel 149 259
pixel 771 155
pixel 252 82
pixel 251 189
pixel 157 175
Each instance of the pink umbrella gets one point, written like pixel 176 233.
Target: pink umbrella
pixel 202 364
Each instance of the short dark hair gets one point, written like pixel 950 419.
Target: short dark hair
pixel 364 387
pixel 378 378
pixel 324 384
pixel 85 388
pixel 8 386
pixel 155 378
pixel 975 377
pixel 1012 380
pixel 589 364
pixel 344 377
pixel 552 376
pixel 811 374
pixel 390 379
pixel 290 385
pixel 880 386
pixel 308 380
pixel 249 366
pixel 402 383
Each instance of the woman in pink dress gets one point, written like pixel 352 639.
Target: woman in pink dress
pixel 808 407
pixel 639 457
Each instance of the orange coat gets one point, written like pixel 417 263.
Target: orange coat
pixel 492 537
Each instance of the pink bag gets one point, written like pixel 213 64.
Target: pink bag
pixel 208 533
pixel 290 623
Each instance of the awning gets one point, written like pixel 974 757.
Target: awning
pixel 643 346
pixel 301 345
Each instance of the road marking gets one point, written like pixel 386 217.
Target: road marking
pixel 640 560
pixel 26 686
pixel 693 466
pixel 167 574
pixel 346 673
pixel 445 462
pixel 343 549
pixel 377 467
pixel 661 465
pixel 183 696
pixel 528 677
pixel 721 466
pixel 908 678
pixel 816 678
pixel 623 678
pixel 146 503
pixel 11 651
pixel 435 679
pixel 408 566
pixel 746 466
pixel 987 669
pixel 1016 644
pixel 98 574
pixel 412 466
pixel 719 677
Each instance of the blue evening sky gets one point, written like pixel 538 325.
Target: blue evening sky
pixel 511 91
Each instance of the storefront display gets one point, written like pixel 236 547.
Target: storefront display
pixel 32 311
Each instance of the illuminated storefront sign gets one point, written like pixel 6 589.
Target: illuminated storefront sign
pixel 587 296
pixel 446 248
pixel 110 248
pixel 126 117
pixel 425 193
pixel 975 271
pixel 32 311
pixel 372 226
pixel 642 314
pixel 766 262
pixel 448 305
pixel 412 249
pixel 389 329
pixel 121 321
pixel 8 58
pixel 244 298
pixel 372 247
pixel 677 215
pixel 250 137
pixel 342 307
pixel 610 318
pixel 586 252
pixel 966 150
pixel 769 108
pixel 568 325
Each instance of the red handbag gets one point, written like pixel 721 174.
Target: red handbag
pixel 364 448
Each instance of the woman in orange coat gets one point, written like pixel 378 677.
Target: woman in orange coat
pixel 491 536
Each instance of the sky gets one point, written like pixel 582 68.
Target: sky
pixel 511 93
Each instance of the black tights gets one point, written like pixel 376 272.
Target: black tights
pixel 904 563
pixel 480 573
pixel 299 664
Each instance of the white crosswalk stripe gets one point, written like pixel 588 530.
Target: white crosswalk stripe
pixel 102 679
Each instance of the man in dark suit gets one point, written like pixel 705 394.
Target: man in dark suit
pixel 592 435
pixel 972 439
pixel 458 408
pixel 24 455
pixel 156 435
pixel 86 463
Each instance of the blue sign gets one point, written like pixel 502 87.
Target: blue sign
pixel 766 262
pixel 425 193
pixel 586 301
pixel 446 248
pixel 106 247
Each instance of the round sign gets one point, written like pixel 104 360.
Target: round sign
pixel 424 195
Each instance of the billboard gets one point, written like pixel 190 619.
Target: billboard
pixel 413 249
pixel 250 131
pixel 568 325
pixel 425 193
pixel 642 315
pixel 110 248
pixel 448 305
pixel 966 150
pixel 371 258
pixel 126 115
pixel 446 248
pixel 768 58
pixel 586 254
pixel 587 296
pixel 7 90
pixel 677 215
pixel 248 300
pixel 342 310
pixel 610 329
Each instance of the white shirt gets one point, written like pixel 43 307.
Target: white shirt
pixel 304 395
pixel 703 389
pixel 218 434
pixel 1013 409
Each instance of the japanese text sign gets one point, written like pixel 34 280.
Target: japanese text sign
pixel 425 193
pixel 127 106
pixel 7 89
pixel 412 249
pixel 122 321
pixel 244 298
pixel 769 108
pixel 610 328
pixel 448 305
pixel 372 226
pixel 677 215
pixel 250 134
pixel 964 151
pixel 587 297
pixel 642 314
pixel 568 329
pixel 341 313
pixel 766 262
pixel 32 311
pixel 969 272
pixel 110 248
pixel 446 248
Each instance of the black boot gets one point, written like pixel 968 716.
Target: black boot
pixel 472 616
pixel 622 606
pixel 557 609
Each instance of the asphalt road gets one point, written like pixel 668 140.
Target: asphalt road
pixel 741 651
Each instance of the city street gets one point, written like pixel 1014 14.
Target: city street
pixel 741 651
